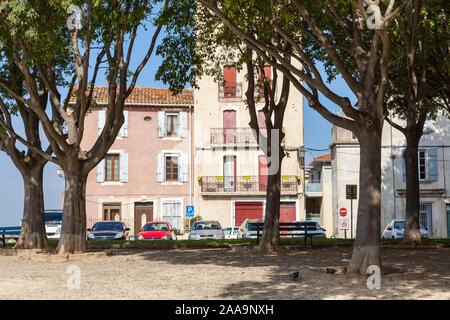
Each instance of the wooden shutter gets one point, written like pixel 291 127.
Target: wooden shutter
pixel 101 120
pixel 101 171
pixel 183 131
pixel 161 124
pixel 124 167
pixel 183 168
pixel 160 174
pixel 123 133
pixel 432 164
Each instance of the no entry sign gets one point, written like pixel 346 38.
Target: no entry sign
pixel 343 212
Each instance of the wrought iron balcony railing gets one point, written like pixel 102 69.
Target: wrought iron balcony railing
pixel 236 136
pixel 244 184
pixel 230 90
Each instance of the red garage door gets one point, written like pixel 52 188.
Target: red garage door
pixel 287 212
pixel 247 210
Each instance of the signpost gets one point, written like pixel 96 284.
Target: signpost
pixel 189 213
pixel 351 191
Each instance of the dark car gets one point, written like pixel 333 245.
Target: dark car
pixel 108 230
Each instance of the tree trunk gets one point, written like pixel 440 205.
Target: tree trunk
pixel 73 230
pixel 270 237
pixel 412 223
pixel 32 233
pixel 367 247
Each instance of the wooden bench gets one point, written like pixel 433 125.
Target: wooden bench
pixel 9 233
pixel 292 229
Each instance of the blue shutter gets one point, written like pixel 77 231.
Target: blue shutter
pixel 403 166
pixel 101 171
pixel 161 122
pixel 124 167
pixel 101 121
pixel 432 164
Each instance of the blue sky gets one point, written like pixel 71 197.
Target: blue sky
pixel 317 135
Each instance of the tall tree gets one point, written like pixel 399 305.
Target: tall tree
pixel 104 32
pixel 350 38
pixel 26 152
pixel 419 41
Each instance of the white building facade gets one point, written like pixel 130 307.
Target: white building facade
pixel 434 177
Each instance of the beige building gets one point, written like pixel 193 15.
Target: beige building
pixel 318 192
pixel 229 167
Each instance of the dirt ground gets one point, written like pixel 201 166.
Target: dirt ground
pixel 217 274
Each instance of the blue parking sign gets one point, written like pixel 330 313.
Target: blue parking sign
pixel 189 211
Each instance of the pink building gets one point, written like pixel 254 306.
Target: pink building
pixel 146 174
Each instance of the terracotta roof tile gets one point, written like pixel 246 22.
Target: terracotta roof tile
pixel 145 95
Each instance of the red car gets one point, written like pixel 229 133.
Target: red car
pixel 157 230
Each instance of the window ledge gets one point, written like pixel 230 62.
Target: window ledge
pixel 172 138
pixel 174 183
pixel 112 183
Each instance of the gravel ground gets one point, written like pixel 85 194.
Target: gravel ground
pixel 217 274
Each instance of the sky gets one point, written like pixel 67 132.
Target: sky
pixel 316 129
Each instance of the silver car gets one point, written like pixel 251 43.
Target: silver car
pixel 248 229
pixel 396 228
pixel 206 230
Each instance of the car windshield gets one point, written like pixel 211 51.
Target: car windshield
pixel 399 225
pixel 156 226
pixel 53 217
pixel 227 231
pixel 107 226
pixel 203 225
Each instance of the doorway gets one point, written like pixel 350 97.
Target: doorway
pixel 143 212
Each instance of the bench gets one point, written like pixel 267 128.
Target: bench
pixel 292 229
pixel 9 233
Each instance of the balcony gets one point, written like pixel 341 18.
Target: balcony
pixel 230 90
pixel 313 189
pixel 234 136
pixel 244 185
pixel 237 137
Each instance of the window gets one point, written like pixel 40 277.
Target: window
pixel 172 124
pixel 112 167
pixel 171 168
pixel 172 213
pixel 422 165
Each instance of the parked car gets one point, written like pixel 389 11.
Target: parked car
pixel 396 228
pixel 157 230
pixel 53 221
pixel 313 228
pixel 247 229
pixel 108 230
pixel 231 232
pixel 202 230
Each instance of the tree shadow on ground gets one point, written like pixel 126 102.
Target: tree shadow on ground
pixel 274 282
